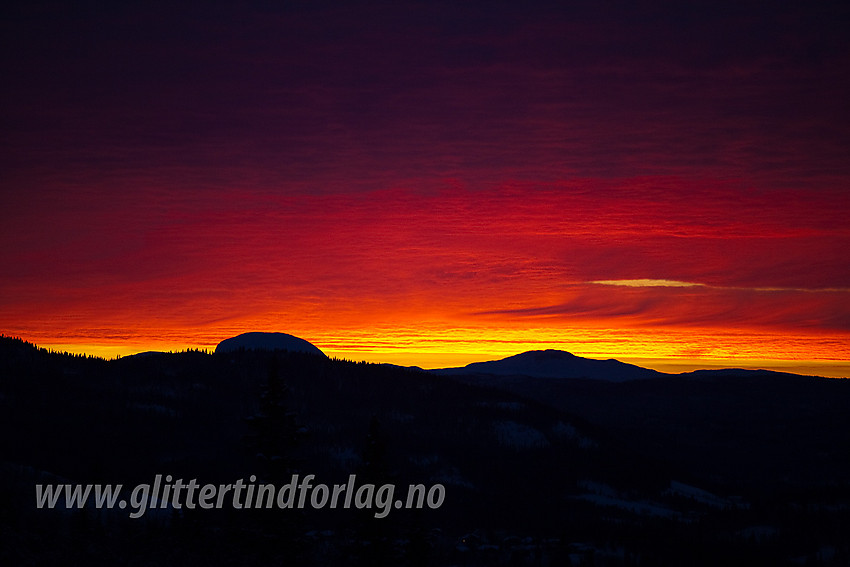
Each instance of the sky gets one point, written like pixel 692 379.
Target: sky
pixel 431 183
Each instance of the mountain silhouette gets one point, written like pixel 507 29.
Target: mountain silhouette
pixel 267 341
pixel 555 364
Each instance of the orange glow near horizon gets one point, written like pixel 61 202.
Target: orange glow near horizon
pixel 661 269
pixel 655 353
pixel 431 346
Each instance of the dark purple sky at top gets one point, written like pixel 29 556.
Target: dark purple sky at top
pixel 353 93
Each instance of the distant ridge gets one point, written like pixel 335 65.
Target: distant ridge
pixel 556 364
pixel 145 354
pixel 267 341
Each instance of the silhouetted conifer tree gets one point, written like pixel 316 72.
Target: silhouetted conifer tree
pixel 274 438
pixel 275 428
pixel 373 545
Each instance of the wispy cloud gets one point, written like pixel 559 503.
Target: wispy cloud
pixel 648 282
pixel 644 282
pixel 666 304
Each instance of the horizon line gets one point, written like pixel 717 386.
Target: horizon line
pixel 835 368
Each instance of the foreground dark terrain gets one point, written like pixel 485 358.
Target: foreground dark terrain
pixel 699 469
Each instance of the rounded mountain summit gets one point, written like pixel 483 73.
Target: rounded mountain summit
pixel 267 341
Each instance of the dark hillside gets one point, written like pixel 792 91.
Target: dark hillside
pixel 581 472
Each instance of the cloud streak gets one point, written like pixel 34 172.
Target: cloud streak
pixel 648 282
